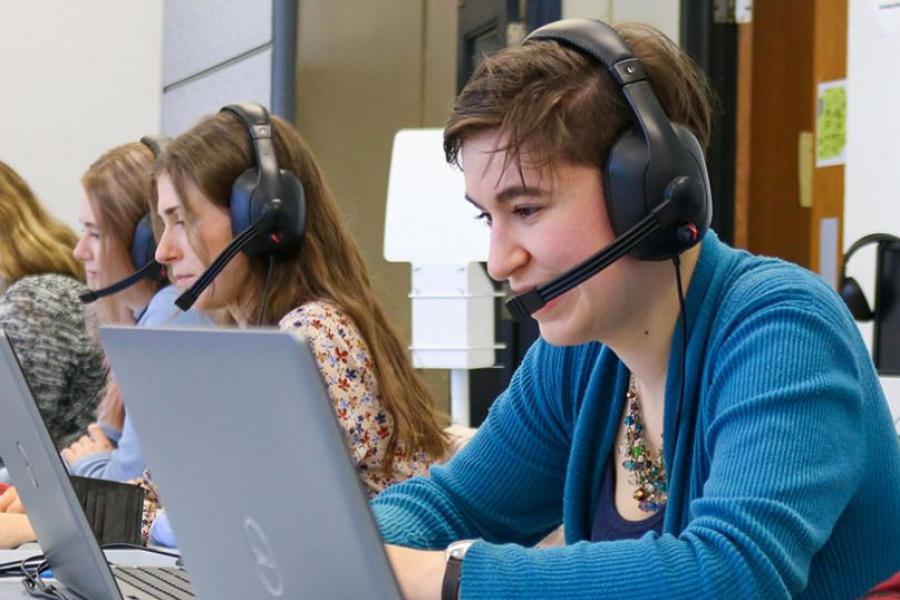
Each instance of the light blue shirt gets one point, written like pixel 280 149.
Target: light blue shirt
pixel 127 461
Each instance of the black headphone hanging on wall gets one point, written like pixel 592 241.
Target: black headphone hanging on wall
pixel 655 181
pixel 850 290
pixel 267 204
pixel 143 243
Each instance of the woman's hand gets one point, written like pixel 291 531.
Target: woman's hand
pixel 420 573
pixel 10 503
pixel 111 410
pixel 95 441
pixel 15 530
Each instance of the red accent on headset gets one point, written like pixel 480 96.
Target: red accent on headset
pixel 695 233
pixel 275 238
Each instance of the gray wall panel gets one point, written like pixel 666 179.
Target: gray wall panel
pixel 200 34
pixel 249 79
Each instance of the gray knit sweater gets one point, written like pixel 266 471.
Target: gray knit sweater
pixel 56 342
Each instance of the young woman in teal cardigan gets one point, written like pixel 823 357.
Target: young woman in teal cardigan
pixel 735 443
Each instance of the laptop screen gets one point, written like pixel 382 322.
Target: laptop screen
pixel 245 449
pixel 42 482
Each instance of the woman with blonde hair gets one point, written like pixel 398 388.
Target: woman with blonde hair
pixel 33 241
pixel 54 337
pixel 114 202
pixel 318 288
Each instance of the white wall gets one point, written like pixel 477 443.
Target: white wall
pixel 872 184
pixel 662 14
pixel 77 78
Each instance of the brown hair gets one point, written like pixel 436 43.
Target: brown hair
pixel 328 266
pixel 31 241
pixel 558 104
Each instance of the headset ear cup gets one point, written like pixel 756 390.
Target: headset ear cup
pixel 293 228
pixel 853 296
pixel 623 181
pixel 143 244
pixel 241 205
pixel 245 208
pixel 701 205
pixel 628 200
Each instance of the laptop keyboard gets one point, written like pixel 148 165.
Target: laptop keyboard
pixel 157 582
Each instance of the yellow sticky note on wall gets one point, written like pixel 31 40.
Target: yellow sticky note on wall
pixel 831 123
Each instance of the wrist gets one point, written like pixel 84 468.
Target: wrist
pixel 453 557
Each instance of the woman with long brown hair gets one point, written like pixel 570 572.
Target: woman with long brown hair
pixel 320 289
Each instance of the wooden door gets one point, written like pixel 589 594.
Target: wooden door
pixel 783 54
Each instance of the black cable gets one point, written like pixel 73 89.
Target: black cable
pixel 676 260
pixel 13 568
pixel 30 570
pixel 265 291
pixel 34 583
pixel 36 588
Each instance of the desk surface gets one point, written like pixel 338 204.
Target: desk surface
pixel 11 587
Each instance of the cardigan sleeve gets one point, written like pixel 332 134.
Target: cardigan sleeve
pixel 506 483
pixel 784 383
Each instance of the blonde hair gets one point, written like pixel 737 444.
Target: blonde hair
pixel 117 185
pixel 31 241
pixel 328 266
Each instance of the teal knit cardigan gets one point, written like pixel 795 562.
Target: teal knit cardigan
pixel 784 465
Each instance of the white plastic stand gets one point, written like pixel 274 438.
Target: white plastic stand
pixel 429 224
pixel 453 326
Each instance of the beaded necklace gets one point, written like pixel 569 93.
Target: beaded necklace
pixel 647 475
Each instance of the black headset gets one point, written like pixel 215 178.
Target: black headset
pixel 849 289
pixel 265 188
pixel 143 243
pixel 655 181
pixel 267 204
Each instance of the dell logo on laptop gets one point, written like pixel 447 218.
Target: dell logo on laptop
pixel 266 565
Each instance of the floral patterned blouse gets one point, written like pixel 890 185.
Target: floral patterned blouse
pixel 349 374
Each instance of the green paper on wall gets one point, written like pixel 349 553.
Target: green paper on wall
pixel 831 123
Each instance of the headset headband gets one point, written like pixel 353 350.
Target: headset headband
pixel 604 44
pixel 865 241
pixel 259 127
pixel 156 143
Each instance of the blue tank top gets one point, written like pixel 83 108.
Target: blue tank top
pixel 609 524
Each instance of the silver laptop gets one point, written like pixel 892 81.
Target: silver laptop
pixel 62 529
pixel 251 465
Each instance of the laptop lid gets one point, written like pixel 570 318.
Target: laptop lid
pixel 250 462
pixel 42 482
